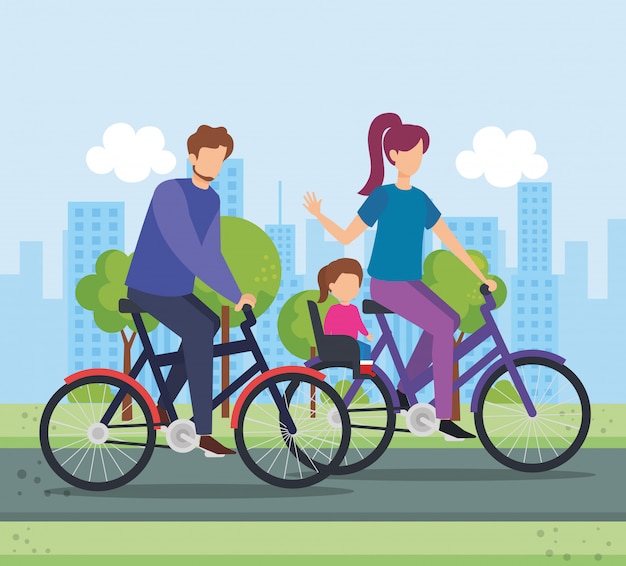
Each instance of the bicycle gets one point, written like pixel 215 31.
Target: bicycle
pixel 531 412
pixel 88 444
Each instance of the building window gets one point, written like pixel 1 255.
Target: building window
pixel 232 199
pixel 280 351
pixel 232 212
pixel 79 226
pixel 112 351
pixel 95 213
pixel 79 351
pixel 548 310
pixel 548 296
pixel 113 213
pixel 95 226
pixel 95 240
pixel 232 171
pixel 534 324
pixel 79 212
pixel 79 268
pixel 96 337
pixel 520 337
pixel 79 254
pixel 520 296
pixel 95 351
pixel 112 226
pixel 78 337
pixel 232 186
pixel 78 324
pixel 113 240
pixel 79 240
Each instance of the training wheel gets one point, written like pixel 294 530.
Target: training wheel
pixel 181 436
pixel 421 419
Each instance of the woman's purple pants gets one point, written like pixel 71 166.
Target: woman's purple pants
pixel 414 301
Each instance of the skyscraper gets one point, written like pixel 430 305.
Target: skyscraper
pixel 284 238
pixel 93 228
pixel 319 252
pixel 33 332
pixel 534 290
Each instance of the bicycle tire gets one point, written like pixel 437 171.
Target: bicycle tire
pixel 372 424
pixel 71 422
pixel 543 442
pixel 276 456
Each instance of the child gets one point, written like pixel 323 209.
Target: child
pixel 342 278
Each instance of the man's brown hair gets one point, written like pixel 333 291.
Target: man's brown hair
pixel 331 272
pixel 206 136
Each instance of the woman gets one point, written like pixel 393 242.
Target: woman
pixel 403 212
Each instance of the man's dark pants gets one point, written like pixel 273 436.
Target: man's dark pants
pixel 196 324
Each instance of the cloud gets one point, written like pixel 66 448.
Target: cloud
pixel 131 155
pixel 502 159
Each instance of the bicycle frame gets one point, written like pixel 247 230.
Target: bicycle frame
pixel 497 356
pixel 157 361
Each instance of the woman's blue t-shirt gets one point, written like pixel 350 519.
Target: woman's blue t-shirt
pixel 402 216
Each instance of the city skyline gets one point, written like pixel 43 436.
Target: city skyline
pixel 299 109
pixel 531 317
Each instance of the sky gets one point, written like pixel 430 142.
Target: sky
pixel 297 85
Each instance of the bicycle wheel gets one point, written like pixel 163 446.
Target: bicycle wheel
pixel 84 451
pixel 321 436
pixel 542 442
pixel 372 420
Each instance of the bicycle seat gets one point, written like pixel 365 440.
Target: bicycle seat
pixel 372 307
pixel 337 349
pixel 127 306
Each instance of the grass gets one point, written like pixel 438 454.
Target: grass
pixel 314 542
pixel 302 543
pixel 19 428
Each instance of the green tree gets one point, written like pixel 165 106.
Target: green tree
pixel 451 280
pixel 255 264
pixel 100 292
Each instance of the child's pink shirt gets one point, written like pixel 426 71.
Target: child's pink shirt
pixel 344 319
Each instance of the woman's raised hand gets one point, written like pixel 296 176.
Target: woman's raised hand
pixel 313 205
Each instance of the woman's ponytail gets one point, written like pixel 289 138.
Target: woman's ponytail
pixel 375 144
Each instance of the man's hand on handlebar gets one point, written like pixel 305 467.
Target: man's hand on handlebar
pixel 246 299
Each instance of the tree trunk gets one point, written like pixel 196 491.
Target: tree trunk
pixel 313 411
pixel 225 359
pixel 127 402
pixel 456 399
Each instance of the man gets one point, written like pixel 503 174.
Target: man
pixel 180 240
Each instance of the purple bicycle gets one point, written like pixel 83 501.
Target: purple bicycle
pixel 531 412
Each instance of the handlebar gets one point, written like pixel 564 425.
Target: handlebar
pixel 250 318
pixel 485 290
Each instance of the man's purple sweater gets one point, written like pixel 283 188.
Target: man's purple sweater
pixel 180 240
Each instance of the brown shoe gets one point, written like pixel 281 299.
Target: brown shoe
pixel 164 418
pixel 212 448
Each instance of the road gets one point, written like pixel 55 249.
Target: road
pixel 404 485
